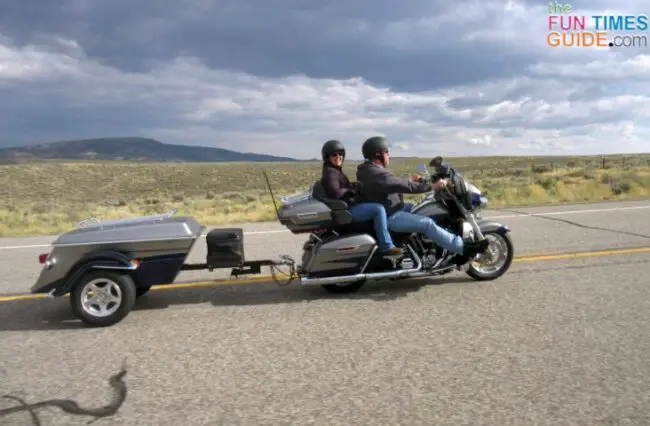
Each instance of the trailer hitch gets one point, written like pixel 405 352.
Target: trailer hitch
pixel 255 267
pixel 284 260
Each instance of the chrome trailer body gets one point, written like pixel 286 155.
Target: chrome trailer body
pixel 151 249
pixel 106 265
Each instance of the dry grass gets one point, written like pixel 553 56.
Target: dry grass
pixel 51 197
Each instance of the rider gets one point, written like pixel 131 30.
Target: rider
pixel 337 185
pixel 377 184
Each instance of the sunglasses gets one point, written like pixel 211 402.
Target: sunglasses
pixel 337 154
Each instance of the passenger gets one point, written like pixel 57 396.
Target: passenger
pixel 337 185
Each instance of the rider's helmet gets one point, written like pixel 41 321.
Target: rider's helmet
pixel 374 147
pixel 332 147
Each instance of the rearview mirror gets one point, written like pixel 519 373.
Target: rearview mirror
pixel 436 162
pixel 421 168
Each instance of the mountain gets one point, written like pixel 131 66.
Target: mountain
pixel 130 149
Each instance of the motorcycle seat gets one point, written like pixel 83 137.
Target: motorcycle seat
pixel 335 205
pixel 368 227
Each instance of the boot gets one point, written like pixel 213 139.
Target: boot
pixel 471 249
pixel 393 251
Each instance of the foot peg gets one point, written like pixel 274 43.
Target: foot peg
pixel 393 252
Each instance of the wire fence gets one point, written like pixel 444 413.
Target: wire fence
pixel 521 167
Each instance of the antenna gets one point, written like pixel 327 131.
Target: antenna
pixel 268 184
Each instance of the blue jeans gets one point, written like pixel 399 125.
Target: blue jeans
pixel 375 211
pixel 406 222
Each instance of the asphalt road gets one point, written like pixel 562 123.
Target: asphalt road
pixel 558 340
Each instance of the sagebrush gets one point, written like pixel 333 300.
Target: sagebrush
pixel 50 197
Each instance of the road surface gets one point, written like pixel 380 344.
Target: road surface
pixel 561 339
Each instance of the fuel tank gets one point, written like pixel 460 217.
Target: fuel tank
pixel 436 211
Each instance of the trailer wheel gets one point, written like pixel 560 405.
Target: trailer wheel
pixel 103 298
pixel 343 288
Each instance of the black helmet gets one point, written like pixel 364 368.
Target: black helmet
pixel 330 147
pixel 374 146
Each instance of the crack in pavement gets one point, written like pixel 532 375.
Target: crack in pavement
pixel 570 222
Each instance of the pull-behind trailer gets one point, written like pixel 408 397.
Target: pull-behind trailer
pixel 105 266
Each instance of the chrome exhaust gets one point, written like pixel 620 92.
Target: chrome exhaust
pixel 430 272
pixel 345 279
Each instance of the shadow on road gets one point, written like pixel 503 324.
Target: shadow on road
pixel 55 314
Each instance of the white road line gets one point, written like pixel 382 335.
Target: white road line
pixel 512 216
pixel 559 213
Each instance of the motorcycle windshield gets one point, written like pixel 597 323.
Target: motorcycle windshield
pixel 472 188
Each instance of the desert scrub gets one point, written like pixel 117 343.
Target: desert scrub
pixel 51 197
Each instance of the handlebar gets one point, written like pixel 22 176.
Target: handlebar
pixel 443 171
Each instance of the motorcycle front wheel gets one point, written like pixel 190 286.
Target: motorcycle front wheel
pixel 489 266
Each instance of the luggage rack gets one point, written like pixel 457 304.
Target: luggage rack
pixel 296 198
pixel 94 220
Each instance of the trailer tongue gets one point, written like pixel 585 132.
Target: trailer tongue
pixel 225 249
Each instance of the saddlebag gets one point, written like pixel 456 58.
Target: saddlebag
pixel 225 248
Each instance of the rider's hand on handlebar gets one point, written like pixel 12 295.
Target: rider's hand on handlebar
pixel 416 178
pixel 442 183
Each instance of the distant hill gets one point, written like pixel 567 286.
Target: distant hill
pixel 129 149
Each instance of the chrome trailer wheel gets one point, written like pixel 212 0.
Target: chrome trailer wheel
pixel 103 298
pixel 496 260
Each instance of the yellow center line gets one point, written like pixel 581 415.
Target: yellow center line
pixel 267 278
pixel 558 256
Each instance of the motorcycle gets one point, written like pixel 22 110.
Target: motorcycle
pixel 341 255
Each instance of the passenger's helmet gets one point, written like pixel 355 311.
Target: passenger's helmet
pixel 330 147
pixel 374 147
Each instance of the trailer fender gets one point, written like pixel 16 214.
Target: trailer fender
pixel 104 259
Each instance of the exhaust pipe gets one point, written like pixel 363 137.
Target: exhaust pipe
pixel 345 279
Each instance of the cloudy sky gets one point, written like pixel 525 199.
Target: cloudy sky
pixel 282 76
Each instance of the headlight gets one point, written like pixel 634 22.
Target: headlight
pixel 477 200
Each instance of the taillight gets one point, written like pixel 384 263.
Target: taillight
pixel 42 258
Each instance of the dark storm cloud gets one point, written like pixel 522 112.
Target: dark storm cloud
pixel 272 38
pixel 448 76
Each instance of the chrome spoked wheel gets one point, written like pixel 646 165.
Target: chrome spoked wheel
pixel 496 260
pixel 101 297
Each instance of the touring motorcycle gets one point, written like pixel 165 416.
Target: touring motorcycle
pixel 341 255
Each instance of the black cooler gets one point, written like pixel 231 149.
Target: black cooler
pixel 225 248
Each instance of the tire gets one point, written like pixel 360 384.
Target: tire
pixel 141 291
pixel 478 275
pixel 119 285
pixel 343 288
